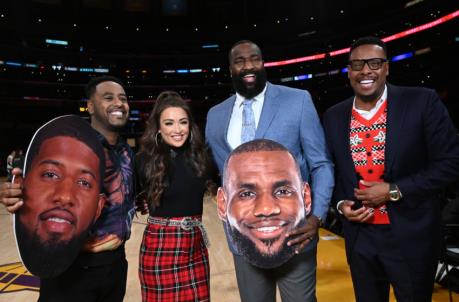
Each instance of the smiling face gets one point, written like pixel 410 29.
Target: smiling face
pixel 368 84
pixel 174 126
pixel 61 191
pixel 247 70
pixel 108 107
pixel 263 199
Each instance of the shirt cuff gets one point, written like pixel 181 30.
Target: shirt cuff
pixel 337 206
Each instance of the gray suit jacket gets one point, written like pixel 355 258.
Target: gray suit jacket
pixel 288 117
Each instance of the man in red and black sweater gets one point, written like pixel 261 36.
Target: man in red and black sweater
pixel 394 149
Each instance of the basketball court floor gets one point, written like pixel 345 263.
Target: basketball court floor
pixel 333 277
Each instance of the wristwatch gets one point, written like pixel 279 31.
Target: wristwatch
pixel 394 192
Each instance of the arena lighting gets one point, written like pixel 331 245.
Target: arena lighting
pixel 302 77
pixel 294 61
pixel 411 3
pixel 422 27
pixel 402 57
pixel 422 51
pixel 211 46
pixel 31 65
pixel 287 79
pixel 399 35
pixel 345 70
pixel 11 63
pixel 57 42
pixel 101 70
pixel 321 74
pixel 31 98
pixel 195 70
pixel 271 64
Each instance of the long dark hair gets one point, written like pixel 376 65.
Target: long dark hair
pixel 156 155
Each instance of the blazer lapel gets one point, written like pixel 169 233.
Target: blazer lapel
pixel 271 106
pixel 342 136
pixel 395 117
pixel 226 117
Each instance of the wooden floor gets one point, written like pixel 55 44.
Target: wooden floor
pixel 333 279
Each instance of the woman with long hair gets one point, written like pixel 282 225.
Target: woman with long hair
pixel 174 173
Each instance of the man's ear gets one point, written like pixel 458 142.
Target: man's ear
pixel 221 204
pixel 100 205
pixel 307 197
pixel 90 106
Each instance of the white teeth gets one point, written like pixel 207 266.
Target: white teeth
pixel 249 75
pixel 267 229
pixel 59 220
pixel 366 81
pixel 117 113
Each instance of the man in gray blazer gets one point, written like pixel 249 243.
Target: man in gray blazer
pixel 285 115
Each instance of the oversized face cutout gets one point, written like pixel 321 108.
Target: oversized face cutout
pixel 62 199
pixel 263 198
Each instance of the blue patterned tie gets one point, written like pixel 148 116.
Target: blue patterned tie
pixel 248 122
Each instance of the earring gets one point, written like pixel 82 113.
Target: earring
pixel 156 138
pixel 191 136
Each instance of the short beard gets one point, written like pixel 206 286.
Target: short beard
pixel 368 99
pixel 249 93
pixel 247 248
pixel 47 259
pixel 102 121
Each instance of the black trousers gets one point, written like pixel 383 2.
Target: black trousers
pixel 90 283
pixel 377 262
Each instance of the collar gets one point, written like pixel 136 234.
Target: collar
pixel 378 103
pixel 119 142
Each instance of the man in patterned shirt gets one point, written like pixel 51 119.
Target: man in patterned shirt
pixel 100 271
pixel 394 149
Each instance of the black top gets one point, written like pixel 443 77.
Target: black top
pixel 185 191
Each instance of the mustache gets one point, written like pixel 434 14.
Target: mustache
pixel 250 92
pixel 268 221
pixel 62 212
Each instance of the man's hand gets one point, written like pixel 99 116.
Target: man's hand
pixel 11 193
pixel 304 234
pixel 360 215
pixel 375 193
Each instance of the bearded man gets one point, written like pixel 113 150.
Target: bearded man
pixel 287 116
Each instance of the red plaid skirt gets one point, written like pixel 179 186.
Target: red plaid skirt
pixel 174 264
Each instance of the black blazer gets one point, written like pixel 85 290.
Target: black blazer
pixel 421 157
